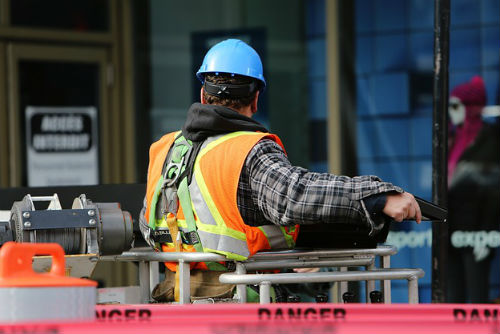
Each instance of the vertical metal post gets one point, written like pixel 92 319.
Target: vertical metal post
pixel 184 282
pixel 343 287
pixel 265 292
pixel 413 290
pixel 154 275
pixel 144 281
pixel 370 285
pixel 439 144
pixel 241 289
pixel 386 284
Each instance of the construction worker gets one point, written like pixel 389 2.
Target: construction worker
pixel 223 184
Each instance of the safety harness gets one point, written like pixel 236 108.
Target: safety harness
pixel 173 187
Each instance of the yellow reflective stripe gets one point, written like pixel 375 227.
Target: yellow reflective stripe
pixel 161 222
pixel 182 223
pixel 229 255
pixel 289 239
pixel 188 248
pixel 220 227
pixel 223 139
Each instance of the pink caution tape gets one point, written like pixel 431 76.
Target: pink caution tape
pixel 280 319
pixel 304 312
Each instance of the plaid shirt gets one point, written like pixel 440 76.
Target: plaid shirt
pixel 272 191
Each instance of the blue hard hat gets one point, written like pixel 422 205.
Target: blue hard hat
pixel 234 57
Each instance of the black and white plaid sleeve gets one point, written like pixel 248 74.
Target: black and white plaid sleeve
pixel 284 194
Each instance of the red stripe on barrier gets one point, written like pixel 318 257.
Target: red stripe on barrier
pixel 279 319
pixel 260 327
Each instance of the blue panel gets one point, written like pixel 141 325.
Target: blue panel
pixel 425 292
pixel 421 14
pixel 316 58
pixel 422 51
pixel 457 78
pixel 364 97
pixel 490 10
pixel 315 17
pixel 395 171
pixel 402 259
pixel 465 49
pixel 490 42
pixel 317 99
pixel 421 136
pixel 390 15
pixel 421 256
pixel 366 166
pixel 492 86
pixel 364 55
pixel 391 52
pixel 422 178
pixel 465 12
pixel 399 292
pixel 383 138
pixel 319 166
pixel 365 143
pixel 392 137
pixel 364 16
pixel 390 93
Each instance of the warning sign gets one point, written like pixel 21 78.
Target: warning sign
pixel 62 146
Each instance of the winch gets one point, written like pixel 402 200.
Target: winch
pixel 86 231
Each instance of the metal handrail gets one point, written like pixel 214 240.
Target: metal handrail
pixel 297 258
pixel 165 256
pixel 292 263
pixel 383 250
pixel 265 280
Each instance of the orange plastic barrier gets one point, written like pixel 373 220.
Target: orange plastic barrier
pixel 280 319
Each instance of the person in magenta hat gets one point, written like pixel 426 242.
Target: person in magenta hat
pixel 473 194
pixel 466 103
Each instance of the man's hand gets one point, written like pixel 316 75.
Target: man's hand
pixel 402 206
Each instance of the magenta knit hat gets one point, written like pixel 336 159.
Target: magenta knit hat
pixel 472 92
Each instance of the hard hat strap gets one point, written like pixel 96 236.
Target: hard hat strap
pixel 230 91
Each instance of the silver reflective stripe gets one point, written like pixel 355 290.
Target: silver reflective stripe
pixel 275 236
pixel 223 243
pixel 200 206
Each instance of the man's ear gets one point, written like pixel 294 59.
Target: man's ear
pixel 254 103
pixel 202 98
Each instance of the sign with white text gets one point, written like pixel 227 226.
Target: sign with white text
pixel 62 146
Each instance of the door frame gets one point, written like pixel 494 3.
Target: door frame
pixel 72 54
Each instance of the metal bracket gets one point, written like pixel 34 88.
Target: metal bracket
pixel 56 219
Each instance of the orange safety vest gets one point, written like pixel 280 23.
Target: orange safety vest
pixel 213 191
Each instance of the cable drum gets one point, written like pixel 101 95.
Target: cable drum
pixel 87 228
pixel 68 238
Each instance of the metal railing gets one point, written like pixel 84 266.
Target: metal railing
pixel 340 258
pixel 266 280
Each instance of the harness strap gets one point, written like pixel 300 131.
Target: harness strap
pixel 162 235
pixel 185 202
pixel 174 188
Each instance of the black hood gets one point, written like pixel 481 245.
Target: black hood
pixel 206 120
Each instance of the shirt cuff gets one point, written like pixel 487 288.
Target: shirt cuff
pixel 375 204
